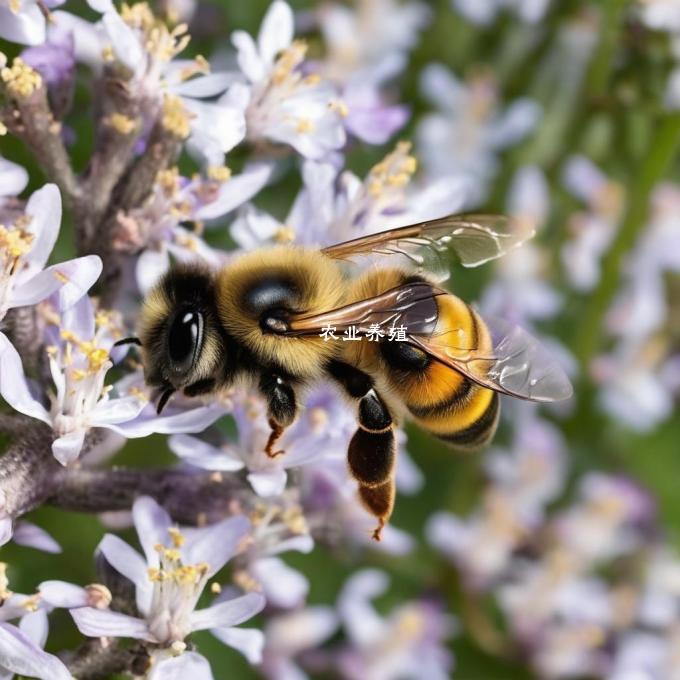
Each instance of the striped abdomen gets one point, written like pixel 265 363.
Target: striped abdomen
pixel 440 399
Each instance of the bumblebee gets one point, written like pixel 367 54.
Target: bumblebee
pixel 285 316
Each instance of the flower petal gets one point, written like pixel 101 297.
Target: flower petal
pixel 216 544
pixel 128 562
pixel 268 482
pixel 13 178
pixel 105 623
pixel 236 191
pixel 5 530
pixel 115 411
pixel 44 208
pixel 21 655
pixel 62 594
pixel 229 613
pixel 148 422
pixel 152 523
pixel 124 41
pixel 282 585
pixel 35 626
pixel 188 665
pixel 72 279
pixel 67 448
pixel 151 265
pixel 248 59
pixel 13 386
pixel 201 454
pixel 276 31
pixel 32 536
pixel 26 27
pixel 209 85
pixel 248 641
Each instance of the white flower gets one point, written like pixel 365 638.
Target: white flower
pixel 25 247
pixel 485 11
pixel 279 101
pixel 172 89
pixel 168 583
pixel 332 208
pixel 21 647
pixel 23 21
pixel 464 136
pixel 593 231
pixel 13 180
pixel 292 634
pixel 319 431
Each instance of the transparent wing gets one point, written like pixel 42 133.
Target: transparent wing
pixel 517 365
pixel 474 239
pixel 412 305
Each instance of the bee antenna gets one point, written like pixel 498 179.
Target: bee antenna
pixel 128 341
pixel 164 399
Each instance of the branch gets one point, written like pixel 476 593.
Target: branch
pixel 101 658
pixel 29 117
pixel 189 497
pixel 29 473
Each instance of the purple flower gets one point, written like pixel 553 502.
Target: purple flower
pixel 54 60
pixel 291 635
pixel 13 179
pixel 168 583
pixel 484 12
pixel 409 642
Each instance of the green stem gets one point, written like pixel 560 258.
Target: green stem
pixel 653 167
pixel 613 14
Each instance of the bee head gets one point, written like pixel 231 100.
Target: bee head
pixel 183 346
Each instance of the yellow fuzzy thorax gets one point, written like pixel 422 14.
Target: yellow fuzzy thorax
pixel 320 285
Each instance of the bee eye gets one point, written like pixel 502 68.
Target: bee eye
pixel 184 340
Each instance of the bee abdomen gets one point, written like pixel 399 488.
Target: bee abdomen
pixel 479 432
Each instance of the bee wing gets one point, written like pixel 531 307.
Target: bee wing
pixel 412 305
pixel 517 364
pixel 475 239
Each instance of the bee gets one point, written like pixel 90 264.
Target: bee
pixel 282 317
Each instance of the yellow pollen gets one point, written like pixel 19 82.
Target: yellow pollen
pixel 4 583
pixel 215 588
pixel 304 126
pixel 108 54
pixel 15 6
pixel 219 173
pixel 294 519
pixel 288 61
pixel 168 180
pixel 339 107
pixel 312 79
pixel 15 242
pixel 174 117
pixel 30 604
pixel 60 277
pixel 199 65
pixel 20 78
pixel 284 234
pixel 177 537
pixel 178 647
pixel 245 581
pixel 120 123
pixel 3 129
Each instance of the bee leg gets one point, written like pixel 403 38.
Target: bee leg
pixel 281 410
pixel 371 457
